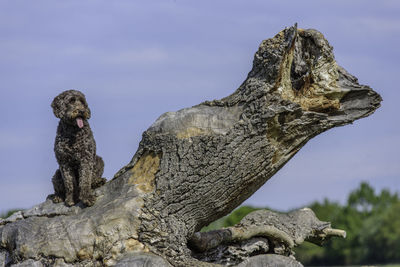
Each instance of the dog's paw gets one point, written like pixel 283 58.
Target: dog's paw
pixel 103 181
pixel 69 201
pixel 55 198
pixel 89 200
pixel 99 182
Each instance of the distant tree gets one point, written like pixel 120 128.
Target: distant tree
pixel 372 223
pixel 363 199
pixel 381 231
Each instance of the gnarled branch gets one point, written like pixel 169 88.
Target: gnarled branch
pixel 274 232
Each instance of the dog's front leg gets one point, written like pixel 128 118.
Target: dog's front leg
pixel 85 183
pixel 69 183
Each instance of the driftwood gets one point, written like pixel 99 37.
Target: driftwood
pixel 262 232
pixel 196 165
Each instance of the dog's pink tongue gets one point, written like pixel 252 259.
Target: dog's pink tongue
pixel 79 121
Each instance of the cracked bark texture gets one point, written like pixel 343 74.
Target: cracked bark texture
pixel 197 164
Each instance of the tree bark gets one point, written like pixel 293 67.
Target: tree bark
pixel 196 165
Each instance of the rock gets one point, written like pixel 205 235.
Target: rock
pixel 198 164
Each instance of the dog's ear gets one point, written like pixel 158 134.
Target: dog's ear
pixel 87 111
pixel 58 105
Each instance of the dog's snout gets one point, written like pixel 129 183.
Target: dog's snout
pixel 78 112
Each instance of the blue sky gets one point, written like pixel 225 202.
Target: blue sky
pixel 135 60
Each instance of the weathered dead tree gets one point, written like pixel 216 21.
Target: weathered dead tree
pixel 197 164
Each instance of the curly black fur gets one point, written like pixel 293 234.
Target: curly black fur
pixel 80 168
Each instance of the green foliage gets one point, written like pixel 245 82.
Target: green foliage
pixel 372 223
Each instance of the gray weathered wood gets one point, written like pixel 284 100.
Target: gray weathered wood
pixel 262 232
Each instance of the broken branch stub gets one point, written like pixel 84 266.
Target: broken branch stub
pixel 197 164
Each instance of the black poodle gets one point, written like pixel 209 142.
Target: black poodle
pixel 80 168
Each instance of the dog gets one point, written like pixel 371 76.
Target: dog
pixel 80 169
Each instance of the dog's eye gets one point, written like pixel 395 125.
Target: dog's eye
pixel 83 101
pixel 72 100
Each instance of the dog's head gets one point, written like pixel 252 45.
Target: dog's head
pixel 71 107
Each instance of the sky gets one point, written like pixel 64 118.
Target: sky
pixel 135 60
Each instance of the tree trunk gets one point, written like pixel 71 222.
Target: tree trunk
pixel 196 165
